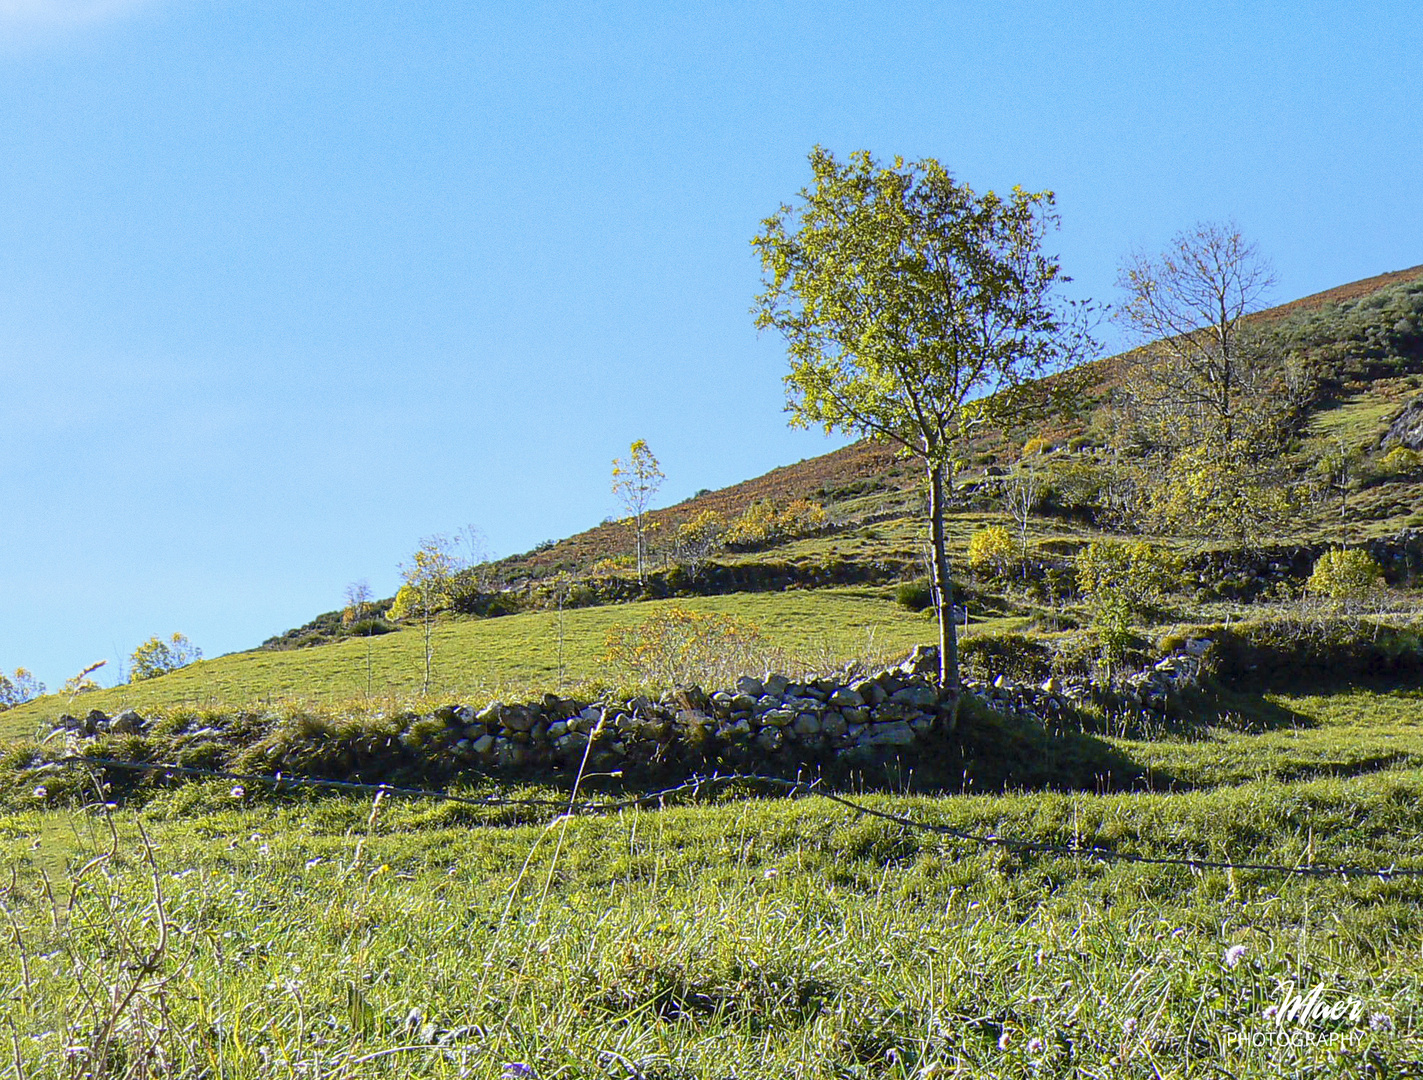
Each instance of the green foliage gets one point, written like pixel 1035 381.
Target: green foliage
pixel 1402 461
pixel 914 595
pixel 698 538
pixel 1373 336
pixel 1017 655
pixel 1209 491
pixel 765 523
pixel 18 688
pixel 1346 575
pixel 678 647
pixel 1140 573
pixel 1119 580
pixel 157 657
pixel 406 605
pixel 903 295
pixel 992 552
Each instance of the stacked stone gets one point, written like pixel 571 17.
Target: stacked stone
pixel 770 717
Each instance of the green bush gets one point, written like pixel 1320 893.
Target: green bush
pixel 1345 574
pixel 914 595
pixel 992 552
pixel 1401 461
pixel 1007 653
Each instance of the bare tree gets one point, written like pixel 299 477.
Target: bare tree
pixel 357 614
pixel 1187 306
pixel 1022 491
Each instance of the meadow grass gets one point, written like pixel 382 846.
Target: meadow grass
pixel 476 659
pixel 749 938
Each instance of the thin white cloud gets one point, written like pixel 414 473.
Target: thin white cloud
pixel 40 13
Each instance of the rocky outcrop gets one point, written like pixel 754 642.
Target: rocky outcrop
pixel 1407 427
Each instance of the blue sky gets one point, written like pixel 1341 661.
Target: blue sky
pixel 286 286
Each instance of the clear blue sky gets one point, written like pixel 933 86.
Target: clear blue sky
pixel 286 286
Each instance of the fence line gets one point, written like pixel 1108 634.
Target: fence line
pixel 698 785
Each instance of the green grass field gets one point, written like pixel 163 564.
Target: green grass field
pixel 752 937
pixel 477 659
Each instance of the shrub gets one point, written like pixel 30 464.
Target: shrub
pixel 914 595
pixel 677 647
pixel 992 552
pixel 157 657
pixel 765 523
pixel 1036 445
pixel 1346 575
pixel 1139 573
pixel 1120 580
pixel 1006 654
pixel 1401 461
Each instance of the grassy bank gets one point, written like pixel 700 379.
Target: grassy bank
pixel 751 938
pixel 481 658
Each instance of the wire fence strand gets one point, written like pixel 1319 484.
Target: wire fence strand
pixel 699 785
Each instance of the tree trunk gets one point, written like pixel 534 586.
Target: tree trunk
pixel 943 586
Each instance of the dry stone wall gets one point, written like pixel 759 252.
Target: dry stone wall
pixel 772 722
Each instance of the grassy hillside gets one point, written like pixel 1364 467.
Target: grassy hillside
pixel 475 659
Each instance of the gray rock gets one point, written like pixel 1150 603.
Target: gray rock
pixel 474 731
pixel 518 718
pixel 806 724
pixel 490 713
pixel 770 739
pixel 1407 427
pixel 484 745
pixel 127 722
pixel 833 724
pixel 750 687
pixel 743 703
pixel 558 729
pixel 856 716
pixel 924 660
pixel 775 685
pixel 922 697
pixel 871 692
pixel 845 697
pixel 895 733
pixel 779 718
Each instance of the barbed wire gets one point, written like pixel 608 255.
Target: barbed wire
pixel 698 785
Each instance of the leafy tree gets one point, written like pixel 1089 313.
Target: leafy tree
pixel 1204 491
pixel 429 578
pixel 18 688
pixel 912 308
pixel 636 479
pixel 157 657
